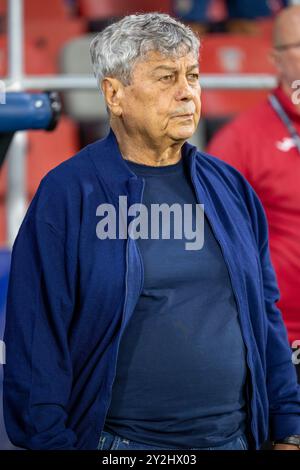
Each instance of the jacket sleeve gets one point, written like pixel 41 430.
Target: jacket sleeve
pixel 38 369
pixel 282 387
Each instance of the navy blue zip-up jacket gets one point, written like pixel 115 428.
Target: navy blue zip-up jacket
pixel 71 295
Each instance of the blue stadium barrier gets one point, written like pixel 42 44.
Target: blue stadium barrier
pixel 22 111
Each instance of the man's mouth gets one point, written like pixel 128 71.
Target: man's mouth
pixel 184 115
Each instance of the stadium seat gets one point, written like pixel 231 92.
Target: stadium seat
pixel 3 7
pixel 56 9
pixel 233 54
pixel 81 105
pixel 48 149
pixel 265 27
pixel 49 36
pixel 43 41
pixel 100 10
pixel 36 9
pixel 35 59
pixel 45 151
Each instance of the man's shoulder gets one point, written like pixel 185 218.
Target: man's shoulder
pixel 232 184
pixel 63 189
pixel 225 175
pixel 76 166
pixel 212 164
pixel 255 117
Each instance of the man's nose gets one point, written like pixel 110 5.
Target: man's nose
pixel 184 90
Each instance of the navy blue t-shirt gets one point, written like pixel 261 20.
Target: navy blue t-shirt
pixel 181 366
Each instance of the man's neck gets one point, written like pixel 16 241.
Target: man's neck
pixel 140 150
pixel 288 90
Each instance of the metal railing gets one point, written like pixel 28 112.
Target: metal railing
pixel 17 80
pixel 67 82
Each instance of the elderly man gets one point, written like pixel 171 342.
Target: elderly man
pixel 133 339
pixel 264 145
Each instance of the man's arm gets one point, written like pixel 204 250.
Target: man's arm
pixel 38 370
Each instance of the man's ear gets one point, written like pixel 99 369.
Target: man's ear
pixel 113 91
pixel 273 57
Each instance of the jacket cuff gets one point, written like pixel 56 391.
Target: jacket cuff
pixel 282 426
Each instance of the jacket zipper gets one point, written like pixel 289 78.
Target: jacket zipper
pixel 119 339
pixel 137 246
pixel 248 359
pixel 124 309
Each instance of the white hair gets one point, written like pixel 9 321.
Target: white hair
pixel 116 49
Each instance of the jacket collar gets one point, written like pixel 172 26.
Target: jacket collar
pixel 113 169
pixel 287 104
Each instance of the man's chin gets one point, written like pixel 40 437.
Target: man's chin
pixel 182 134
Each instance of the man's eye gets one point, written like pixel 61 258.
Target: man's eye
pixel 194 76
pixel 166 78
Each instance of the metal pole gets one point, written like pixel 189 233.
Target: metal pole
pixel 15 42
pixel 16 170
pixel 16 197
pixel 207 81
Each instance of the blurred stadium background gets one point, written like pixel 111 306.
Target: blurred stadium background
pixel 44 46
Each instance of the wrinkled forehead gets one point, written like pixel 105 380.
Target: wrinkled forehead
pixel 154 61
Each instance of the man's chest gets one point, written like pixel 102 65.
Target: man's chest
pixel 275 173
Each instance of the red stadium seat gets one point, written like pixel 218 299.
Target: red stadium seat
pixel 3 7
pixel 47 149
pixel 37 9
pixel 49 36
pixel 233 54
pixel 34 58
pixel 100 10
pixel 265 28
pixel 44 40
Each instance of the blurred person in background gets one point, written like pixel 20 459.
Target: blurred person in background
pixel 264 145
pixel 121 342
pixel 231 15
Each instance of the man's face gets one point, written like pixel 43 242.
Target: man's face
pixel 287 60
pixel 163 99
pixel 288 64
